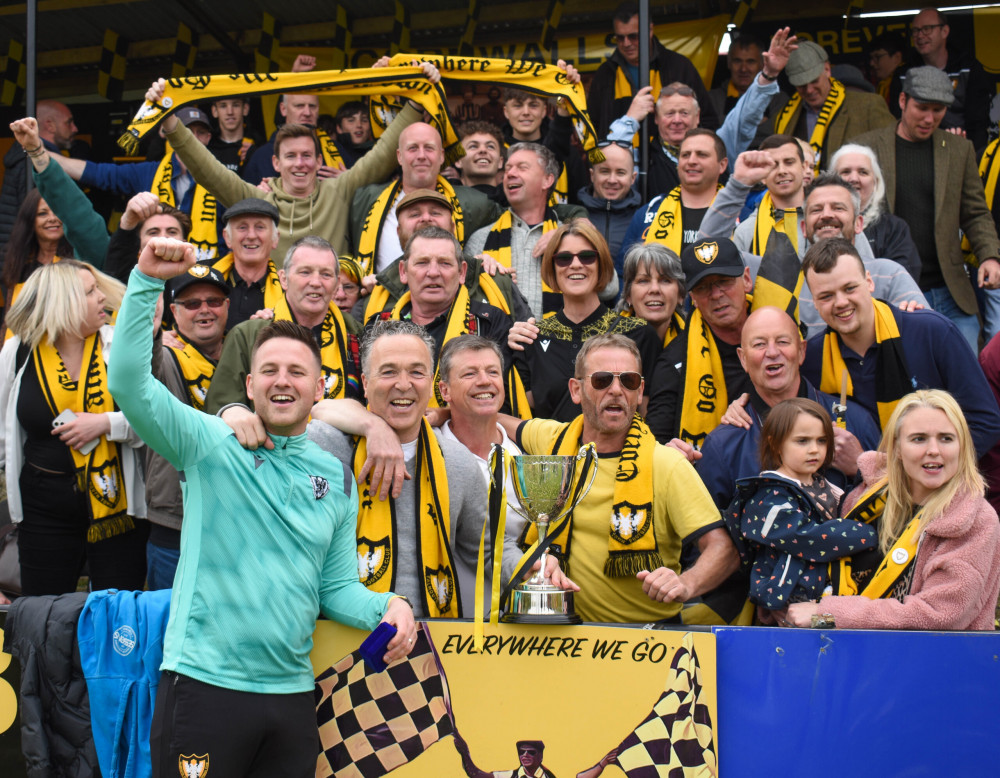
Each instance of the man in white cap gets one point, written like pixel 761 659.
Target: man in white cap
pixel 823 112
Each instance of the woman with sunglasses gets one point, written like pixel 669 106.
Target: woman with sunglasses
pixel 654 287
pixel 577 264
pixel 74 485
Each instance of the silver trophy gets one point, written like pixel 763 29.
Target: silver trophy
pixel 545 487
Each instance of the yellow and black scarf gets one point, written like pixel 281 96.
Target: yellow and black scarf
pixel 204 208
pixel 705 398
pixel 377 530
pixel 834 102
pixel 460 322
pixel 371 230
pixel 99 474
pixel 498 246
pixel 331 154
pixel 668 223
pixel 274 295
pixel 989 171
pixel 623 89
pixel 767 220
pixel 632 542
pixel 196 369
pixel 334 343
pixel 892 577
pixel 675 328
pixel 891 373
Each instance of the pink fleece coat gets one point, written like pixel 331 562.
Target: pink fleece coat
pixel 956 578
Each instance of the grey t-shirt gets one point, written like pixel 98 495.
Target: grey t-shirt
pixel 468 509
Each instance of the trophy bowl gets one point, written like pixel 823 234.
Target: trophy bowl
pixel 545 487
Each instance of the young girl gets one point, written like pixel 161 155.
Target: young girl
pixel 785 520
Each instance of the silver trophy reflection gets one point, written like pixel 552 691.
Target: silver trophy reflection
pixel 547 488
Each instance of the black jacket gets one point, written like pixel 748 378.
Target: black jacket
pixel 40 633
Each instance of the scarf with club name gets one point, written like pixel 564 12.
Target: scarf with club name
pixel 767 220
pixel 705 397
pixel 334 343
pixel 371 231
pixel 623 89
pixel 498 246
pixel 377 530
pixel 460 322
pixel 834 102
pixel 274 295
pixel 99 473
pixel 204 208
pixel 892 576
pixel 533 77
pixel 668 223
pixel 195 368
pixel 404 82
pixel 632 542
pixel 892 379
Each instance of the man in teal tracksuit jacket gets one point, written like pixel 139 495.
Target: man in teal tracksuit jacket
pixel 268 543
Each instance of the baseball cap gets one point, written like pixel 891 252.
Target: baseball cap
pixel 199 274
pixel 711 257
pixel 420 195
pixel 927 84
pixel 805 64
pixel 192 114
pixel 251 205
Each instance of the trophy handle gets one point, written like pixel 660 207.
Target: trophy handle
pixel 587 455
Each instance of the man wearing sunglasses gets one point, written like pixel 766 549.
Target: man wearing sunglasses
pixel 616 80
pixel 929 32
pixel 200 302
pixel 627 569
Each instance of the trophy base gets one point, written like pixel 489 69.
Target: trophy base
pixel 540 604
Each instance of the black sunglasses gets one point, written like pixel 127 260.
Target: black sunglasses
pixel 565 258
pixel 602 379
pixel 527 751
pixel 622 144
pixel 195 303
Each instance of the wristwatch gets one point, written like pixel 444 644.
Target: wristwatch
pixel 823 621
pixel 769 78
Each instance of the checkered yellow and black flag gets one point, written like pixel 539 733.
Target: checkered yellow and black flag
pixel 675 739
pixel 551 25
pixel 342 37
pixel 400 38
pixel 779 279
pixel 114 59
pixel 185 51
pixel 743 11
pixel 15 74
pixel 471 20
pixel 269 47
pixel 371 723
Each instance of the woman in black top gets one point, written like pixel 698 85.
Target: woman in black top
pixel 577 264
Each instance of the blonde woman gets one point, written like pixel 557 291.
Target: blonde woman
pixel 937 565
pixel 73 483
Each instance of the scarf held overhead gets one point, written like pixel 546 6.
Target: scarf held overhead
pixel 378 530
pixel 404 82
pixel 99 473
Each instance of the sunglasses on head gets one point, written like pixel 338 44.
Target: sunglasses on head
pixel 622 144
pixel 602 379
pixel 565 258
pixel 195 303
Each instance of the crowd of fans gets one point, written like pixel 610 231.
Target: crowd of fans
pixel 828 252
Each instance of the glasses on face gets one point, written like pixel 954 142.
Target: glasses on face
pixel 707 287
pixel 196 302
pixel 565 258
pixel 527 752
pixel 602 379
pixel 629 37
pixel 927 29
pixel 683 113
pixel 876 56
pixel 349 288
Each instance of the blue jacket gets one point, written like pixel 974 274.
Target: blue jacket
pixel 730 453
pixel 612 219
pixel 781 534
pixel 937 357
pixel 121 647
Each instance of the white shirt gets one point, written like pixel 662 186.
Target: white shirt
pixel 388 249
